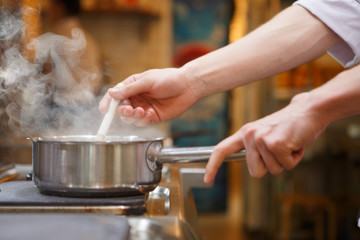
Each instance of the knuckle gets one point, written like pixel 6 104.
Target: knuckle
pixel 273 146
pixel 219 150
pixel 249 132
pixel 257 173
pixel 276 171
pixel 276 145
pixel 289 165
pixel 247 128
pixel 133 79
pixel 259 139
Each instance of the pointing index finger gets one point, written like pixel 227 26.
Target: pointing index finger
pixel 225 148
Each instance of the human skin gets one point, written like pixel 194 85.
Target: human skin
pixel 272 143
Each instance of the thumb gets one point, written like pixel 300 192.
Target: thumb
pixel 104 103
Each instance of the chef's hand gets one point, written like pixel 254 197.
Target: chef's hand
pixel 272 143
pixel 152 96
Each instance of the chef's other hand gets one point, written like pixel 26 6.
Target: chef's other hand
pixel 152 96
pixel 272 143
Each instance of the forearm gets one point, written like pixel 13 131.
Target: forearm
pixel 336 99
pixel 291 38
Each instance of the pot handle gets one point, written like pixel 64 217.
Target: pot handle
pixel 193 154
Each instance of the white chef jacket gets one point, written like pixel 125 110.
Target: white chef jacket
pixel 343 17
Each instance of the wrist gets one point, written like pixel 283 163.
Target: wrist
pixel 311 105
pixel 336 99
pixel 195 83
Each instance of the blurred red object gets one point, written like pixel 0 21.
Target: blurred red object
pixel 189 52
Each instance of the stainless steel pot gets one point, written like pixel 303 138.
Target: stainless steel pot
pixel 81 166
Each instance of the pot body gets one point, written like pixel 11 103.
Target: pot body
pixel 81 166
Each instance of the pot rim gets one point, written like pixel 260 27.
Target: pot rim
pixel 92 139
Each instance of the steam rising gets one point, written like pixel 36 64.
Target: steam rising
pixel 51 94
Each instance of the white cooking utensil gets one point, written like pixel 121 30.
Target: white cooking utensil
pixel 106 122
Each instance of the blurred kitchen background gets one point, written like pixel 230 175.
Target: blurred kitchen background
pixel 319 199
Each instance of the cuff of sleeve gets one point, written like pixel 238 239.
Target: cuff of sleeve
pixel 343 18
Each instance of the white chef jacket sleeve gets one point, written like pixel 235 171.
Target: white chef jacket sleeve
pixel 343 17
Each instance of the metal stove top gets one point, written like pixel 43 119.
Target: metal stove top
pixel 168 212
pixel 24 196
pixel 63 226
